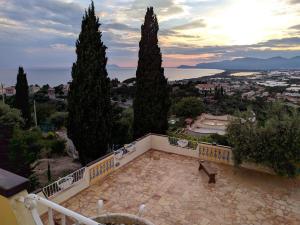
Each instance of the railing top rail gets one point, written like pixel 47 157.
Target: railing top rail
pixel 52 188
pixel 58 208
pixel 99 159
pixel 202 142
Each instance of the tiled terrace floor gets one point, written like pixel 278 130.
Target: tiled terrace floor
pixel 176 193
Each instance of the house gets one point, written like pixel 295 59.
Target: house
pixel 66 89
pixel 209 124
pixel 51 93
pixel 210 87
pixel 205 87
pixel 249 95
pixel 10 91
pixel 33 89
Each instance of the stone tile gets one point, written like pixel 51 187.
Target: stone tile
pixel 175 192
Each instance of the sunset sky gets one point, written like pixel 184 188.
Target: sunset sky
pixel 42 33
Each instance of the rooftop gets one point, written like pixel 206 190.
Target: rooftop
pixel 175 192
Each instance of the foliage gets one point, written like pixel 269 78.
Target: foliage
pixel 184 90
pixel 129 80
pixel 49 172
pixel 122 126
pixel 225 105
pixel 42 94
pixel 22 97
pixel 151 103
pixel 59 90
pixel 44 111
pixel 188 107
pixel 57 146
pixel 274 143
pixel 219 139
pixel 115 82
pixel 59 119
pixel 89 123
pixel 10 117
pixel 24 149
pixel 123 91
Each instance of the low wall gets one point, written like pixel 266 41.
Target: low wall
pixel 66 194
pixel 161 142
pixel 97 170
pixel 205 151
pixel 142 145
pixel 102 167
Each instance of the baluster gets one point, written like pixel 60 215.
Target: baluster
pixel 63 220
pixel 50 216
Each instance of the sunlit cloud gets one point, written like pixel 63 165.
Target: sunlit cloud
pixel 191 31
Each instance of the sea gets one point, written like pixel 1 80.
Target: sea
pixel 56 76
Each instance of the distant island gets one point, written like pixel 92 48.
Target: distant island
pixel 275 63
pixel 112 66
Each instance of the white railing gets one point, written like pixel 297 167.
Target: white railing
pixel 63 183
pixel 32 200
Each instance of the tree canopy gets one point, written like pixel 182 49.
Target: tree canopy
pixel 22 97
pixel 274 143
pixel 89 124
pixel 188 107
pixel 151 103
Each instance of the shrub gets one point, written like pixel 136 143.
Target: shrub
pixel 188 107
pixel 274 143
pixel 10 117
pixel 57 146
pixel 59 119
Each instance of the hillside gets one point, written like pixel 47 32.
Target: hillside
pixel 275 63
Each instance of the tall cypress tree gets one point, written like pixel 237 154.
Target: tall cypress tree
pixel 22 97
pixel 89 125
pixel 151 103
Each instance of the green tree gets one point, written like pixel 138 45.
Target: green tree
pixel 59 119
pixel 22 97
pixel 49 172
pixel 89 124
pixel 122 125
pixel 24 149
pixel 274 143
pixel 151 103
pixel 188 107
pixel 10 117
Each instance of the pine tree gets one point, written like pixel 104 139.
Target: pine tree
pixel 22 97
pixel 89 125
pixel 151 103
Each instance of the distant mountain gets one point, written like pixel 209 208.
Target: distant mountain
pixel 275 63
pixel 112 66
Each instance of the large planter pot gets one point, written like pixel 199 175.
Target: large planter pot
pixel 183 143
pixel 121 218
pixel 118 154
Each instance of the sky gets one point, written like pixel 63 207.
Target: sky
pixel 42 33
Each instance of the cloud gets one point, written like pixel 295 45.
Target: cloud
pixel 35 32
pixel 294 1
pixel 119 27
pixel 191 25
pixel 164 9
pixel 284 42
pixel 296 27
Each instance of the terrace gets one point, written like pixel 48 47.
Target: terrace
pixel 175 192
pixel 157 172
